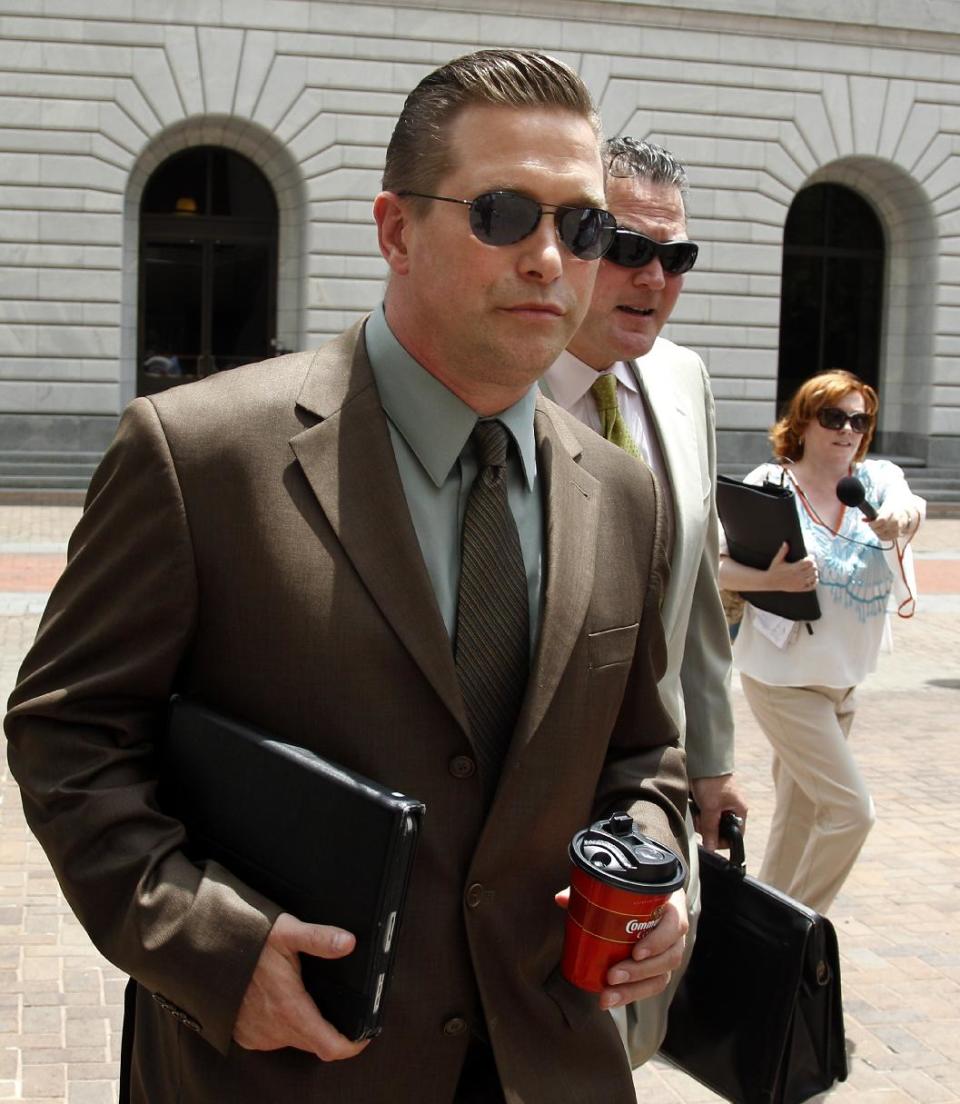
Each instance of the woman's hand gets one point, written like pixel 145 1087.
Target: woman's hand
pixel 779 575
pixel 888 528
pixel 899 515
pixel 892 523
pixel 792 577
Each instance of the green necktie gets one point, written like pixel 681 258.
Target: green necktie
pixel 612 425
pixel 493 633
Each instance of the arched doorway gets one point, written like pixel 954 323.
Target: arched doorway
pixel 831 298
pixel 208 268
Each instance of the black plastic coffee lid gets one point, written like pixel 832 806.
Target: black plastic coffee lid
pixel 615 852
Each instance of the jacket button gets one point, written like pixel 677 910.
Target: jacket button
pixel 474 895
pixel 456 1025
pixel 462 766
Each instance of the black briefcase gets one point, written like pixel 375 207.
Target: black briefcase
pixel 758 1016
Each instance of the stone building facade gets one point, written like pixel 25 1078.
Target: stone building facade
pixel 760 98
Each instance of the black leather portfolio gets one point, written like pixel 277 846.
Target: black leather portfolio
pixel 326 844
pixel 756 521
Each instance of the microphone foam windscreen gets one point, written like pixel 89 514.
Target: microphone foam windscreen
pixel 850 491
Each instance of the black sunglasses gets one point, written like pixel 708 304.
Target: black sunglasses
pixel 634 250
pixel 832 417
pixel 503 218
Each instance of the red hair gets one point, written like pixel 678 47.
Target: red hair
pixel 825 389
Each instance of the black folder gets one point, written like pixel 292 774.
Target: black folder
pixel 326 844
pixel 756 521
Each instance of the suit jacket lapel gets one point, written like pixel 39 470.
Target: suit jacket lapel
pixel 571 510
pixel 349 462
pixel 672 425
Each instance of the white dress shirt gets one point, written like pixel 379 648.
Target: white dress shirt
pixel 568 381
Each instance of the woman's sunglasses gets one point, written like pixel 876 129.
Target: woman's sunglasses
pixel 634 250
pixel 503 218
pixel 832 417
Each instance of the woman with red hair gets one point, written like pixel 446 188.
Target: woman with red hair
pixel 800 679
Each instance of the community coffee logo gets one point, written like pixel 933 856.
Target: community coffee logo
pixel 637 927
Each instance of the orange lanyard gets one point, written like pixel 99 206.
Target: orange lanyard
pixel 814 516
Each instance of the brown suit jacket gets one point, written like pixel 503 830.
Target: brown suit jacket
pixel 246 541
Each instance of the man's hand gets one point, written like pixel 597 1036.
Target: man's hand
pixel 276 1010
pixel 716 796
pixel 647 972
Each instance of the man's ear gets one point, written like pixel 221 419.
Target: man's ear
pixel 392 226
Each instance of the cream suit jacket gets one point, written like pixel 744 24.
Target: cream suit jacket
pixel 246 542
pixel 695 688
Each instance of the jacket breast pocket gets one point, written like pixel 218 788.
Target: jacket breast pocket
pixel 612 647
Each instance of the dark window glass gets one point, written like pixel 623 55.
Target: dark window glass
pixel 237 187
pixel 831 296
pixel 208 180
pixel 179 186
pixel 806 220
pixel 208 267
pixel 240 298
pixel 852 225
pixel 172 294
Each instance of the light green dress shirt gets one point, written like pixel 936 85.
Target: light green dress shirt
pixel 430 429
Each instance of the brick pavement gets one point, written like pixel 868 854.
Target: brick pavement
pixel 897 917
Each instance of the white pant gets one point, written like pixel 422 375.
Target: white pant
pixel 823 811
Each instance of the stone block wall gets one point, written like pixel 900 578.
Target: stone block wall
pixel 759 98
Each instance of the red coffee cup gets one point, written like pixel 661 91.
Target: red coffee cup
pixel 620 880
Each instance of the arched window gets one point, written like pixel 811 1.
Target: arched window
pixel 831 294
pixel 208 268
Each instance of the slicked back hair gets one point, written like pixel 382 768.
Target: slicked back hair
pixel 419 153
pixel 636 157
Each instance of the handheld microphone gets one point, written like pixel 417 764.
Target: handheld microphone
pixel 851 493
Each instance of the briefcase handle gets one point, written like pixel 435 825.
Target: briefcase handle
pixel 731 835
pixel 731 832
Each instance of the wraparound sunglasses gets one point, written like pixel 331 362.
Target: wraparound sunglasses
pixel 632 249
pixel 832 417
pixel 503 218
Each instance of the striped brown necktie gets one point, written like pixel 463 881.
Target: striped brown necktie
pixel 493 618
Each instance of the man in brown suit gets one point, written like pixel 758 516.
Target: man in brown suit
pixel 280 543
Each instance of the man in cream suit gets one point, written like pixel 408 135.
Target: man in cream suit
pixel 653 398
pixel 281 542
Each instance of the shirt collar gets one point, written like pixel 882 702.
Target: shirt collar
pixel 569 378
pixel 432 420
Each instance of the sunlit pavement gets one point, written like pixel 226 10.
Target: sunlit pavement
pixel 897 917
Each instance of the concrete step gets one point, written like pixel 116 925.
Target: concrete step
pixel 920 484
pixel 59 482
pixel 10 456
pixel 900 461
pixel 45 470
pixel 937 494
pixel 29 496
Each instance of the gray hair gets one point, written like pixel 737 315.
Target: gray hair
pixel 628 157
